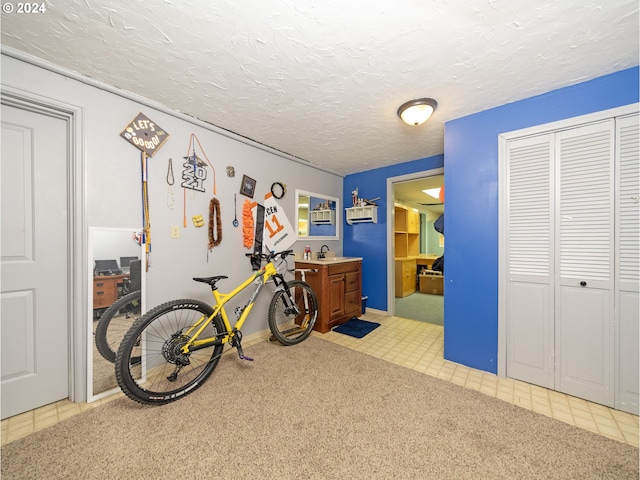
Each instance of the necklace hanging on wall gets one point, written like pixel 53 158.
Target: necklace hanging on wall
pixel 170 181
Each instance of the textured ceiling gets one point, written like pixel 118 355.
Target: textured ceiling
pixel 321 80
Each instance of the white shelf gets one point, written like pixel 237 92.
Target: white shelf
pixel 323 217
pixel 366 214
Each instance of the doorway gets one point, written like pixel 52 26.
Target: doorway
pixel 415 289
pixel 39 259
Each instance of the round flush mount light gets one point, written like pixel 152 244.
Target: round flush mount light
pixel 416 112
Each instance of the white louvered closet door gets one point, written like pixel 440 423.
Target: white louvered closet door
pixel 627 257
pixel 529 231
pixel 585 256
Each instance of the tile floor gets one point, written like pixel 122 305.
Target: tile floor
pixel 414 345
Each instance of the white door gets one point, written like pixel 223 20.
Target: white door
pixel 572 228
pixel 585 257
pixel 529 233
pixel 34 307
pixel 628 258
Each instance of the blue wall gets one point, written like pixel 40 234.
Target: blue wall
pixel 369 240
pixel 320 230
pixel 471 199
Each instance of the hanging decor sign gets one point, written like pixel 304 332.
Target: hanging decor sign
pixel 278 232
pixel 145 134
pixel 148 137
pixel 194 173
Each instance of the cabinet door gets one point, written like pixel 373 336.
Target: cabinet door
pixel 336 289
pixel 409 277
pixel 413 222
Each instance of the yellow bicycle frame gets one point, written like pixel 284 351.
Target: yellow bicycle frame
pixel 266 272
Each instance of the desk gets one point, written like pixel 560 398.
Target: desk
pixel 105 289
pixel 407 269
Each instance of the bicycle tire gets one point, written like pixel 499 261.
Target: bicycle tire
pixel 115 322
pixel 156 338
pixel 291 328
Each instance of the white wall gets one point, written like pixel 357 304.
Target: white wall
pixel 113 183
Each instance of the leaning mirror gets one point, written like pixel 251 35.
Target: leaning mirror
pixel 317 216
pixel 116 299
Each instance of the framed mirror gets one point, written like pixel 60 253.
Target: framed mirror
pixel 116 299
pixel 318 216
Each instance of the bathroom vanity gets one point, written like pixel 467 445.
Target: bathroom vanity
pixel 337 282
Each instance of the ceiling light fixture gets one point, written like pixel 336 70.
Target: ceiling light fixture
pixel 416 112
pixel 433 192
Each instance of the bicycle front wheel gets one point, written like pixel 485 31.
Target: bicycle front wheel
pixel 115 322
pixel 163 373
pixel 292 315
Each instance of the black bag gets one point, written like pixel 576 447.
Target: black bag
pixel 438 264
pixel 439 224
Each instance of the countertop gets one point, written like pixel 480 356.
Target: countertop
pixel 330 260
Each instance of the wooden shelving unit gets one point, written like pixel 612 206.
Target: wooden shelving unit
pixel 407 247
pixel 407 232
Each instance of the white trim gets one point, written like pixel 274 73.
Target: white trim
pixel 90 395
pixel 571 122
pixel 38 62
pixel 391 222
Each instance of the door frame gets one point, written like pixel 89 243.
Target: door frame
pixel 391 264
pixel 503 141
pixel 77 280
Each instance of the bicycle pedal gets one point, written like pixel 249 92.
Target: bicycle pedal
pixel 241 353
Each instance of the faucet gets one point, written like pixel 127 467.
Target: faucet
pixel 321 253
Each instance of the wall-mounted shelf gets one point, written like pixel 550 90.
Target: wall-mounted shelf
pixel 366 214
pixel 323 217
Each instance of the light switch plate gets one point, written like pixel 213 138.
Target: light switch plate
pixel 175 232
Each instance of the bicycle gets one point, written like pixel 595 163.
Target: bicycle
pixel 172 349
pixel 115 322
pixel 119 316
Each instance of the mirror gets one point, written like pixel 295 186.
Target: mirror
pixel 116 276
pixel 318 216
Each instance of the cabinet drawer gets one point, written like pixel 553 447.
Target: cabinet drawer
pixel 343 267
pixel 352 281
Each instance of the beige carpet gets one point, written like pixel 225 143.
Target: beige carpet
pixel 317 411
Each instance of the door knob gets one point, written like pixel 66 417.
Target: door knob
pixel 583 283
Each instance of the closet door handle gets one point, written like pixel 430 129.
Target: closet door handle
pixel 583 283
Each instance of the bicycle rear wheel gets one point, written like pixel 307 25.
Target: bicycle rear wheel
pixel 115 322
pixel 291 318
pixel 163 373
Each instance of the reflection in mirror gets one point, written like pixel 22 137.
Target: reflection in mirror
pixel 116 286
pixel 317 216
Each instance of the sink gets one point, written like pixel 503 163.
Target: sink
pixel 330 259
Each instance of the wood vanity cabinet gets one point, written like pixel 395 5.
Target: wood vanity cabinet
pixel 338 287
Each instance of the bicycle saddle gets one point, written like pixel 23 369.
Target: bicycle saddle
pixel 210 280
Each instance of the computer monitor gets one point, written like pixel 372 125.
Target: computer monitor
pixel 126 261
pixel 107 267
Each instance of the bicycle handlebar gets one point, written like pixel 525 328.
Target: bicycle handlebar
pixel 271 255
